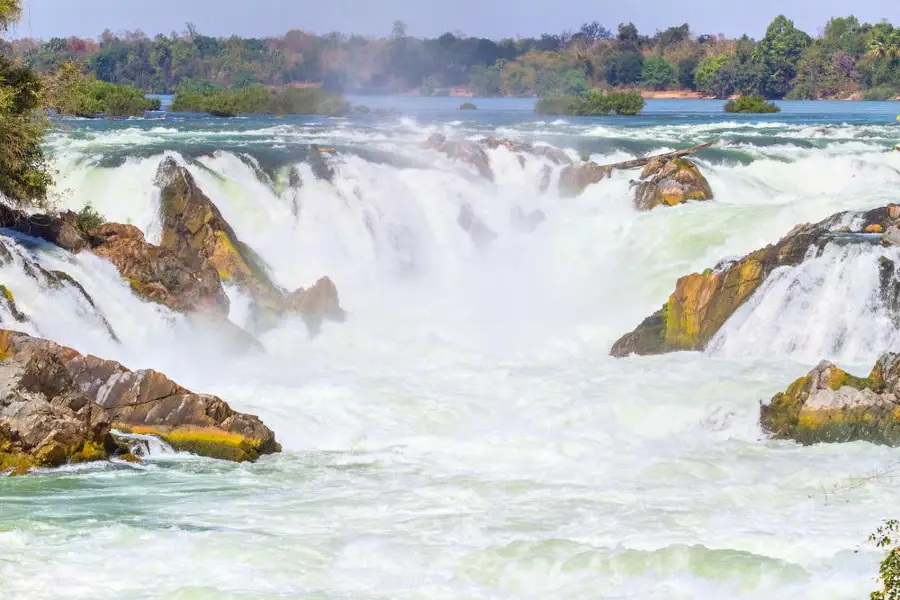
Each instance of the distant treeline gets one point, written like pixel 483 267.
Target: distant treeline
pixel 849 59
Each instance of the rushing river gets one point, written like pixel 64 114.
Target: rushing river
pixel 464 434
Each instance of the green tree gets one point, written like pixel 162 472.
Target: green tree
pixel 624 68
pixel 778 54
pixel 707 71
pixel 658 73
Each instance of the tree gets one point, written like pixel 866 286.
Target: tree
pixel 624 68
pixel 595 31
pixel 778 54
pixel 707 71
pixel 687 70
pixel 628 37
pixel 658 73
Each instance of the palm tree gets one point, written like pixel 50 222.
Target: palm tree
pixel 879 45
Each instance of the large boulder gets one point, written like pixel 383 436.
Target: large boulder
pixel 143 401
pixel 555 155
pixel 703 302
pixel 45 419
pixel 830 405
pixel 316 304
pixel 574 179
pixel 668 182
pixel 463 151
pixel 158 274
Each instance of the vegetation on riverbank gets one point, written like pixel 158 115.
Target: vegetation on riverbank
pixel 750 104
pixel 848 59
pixel 590 104
pixel 69 91
pixel 260 100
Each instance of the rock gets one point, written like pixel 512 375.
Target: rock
pixel 891 237
pixel 45 419
pixel 464 151
pixel 143 401
pixel 670 182
pixel 554 155
pixel 6 296
pixel 59 279
pixel 526 222
pixel 874 228
pixel 480 233
pixel 574 179
pixel 318 303
pixel 703 302
pixel 546 174
pixel 830 405
pixel 158 274
pixel 61 229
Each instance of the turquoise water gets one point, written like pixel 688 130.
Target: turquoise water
pixel 465 433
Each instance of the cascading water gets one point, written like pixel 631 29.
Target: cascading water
pixel 464 434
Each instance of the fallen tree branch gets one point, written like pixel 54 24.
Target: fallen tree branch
pixel 640 162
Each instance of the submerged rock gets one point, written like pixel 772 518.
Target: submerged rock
pixel 703 302
pixel 317 304
pixel 464 151
pixel 481 234
pixel 830 405
pixel 144 401
pixel 555 155
pixel 574 179
pixel 158 274
pixel 668 182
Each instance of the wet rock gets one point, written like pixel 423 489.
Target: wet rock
pixel 891 237
pixel 317 304
pixel 45 419
pixel 830 405
pixel 463 151
pixel 703 302
pixel 554 155
pixel 144 401
pixel 6 296
pixel 158 274
pixel 480 233
pixel 61 229
pixel 574 179
pixel 669 183
pixel 526 222
pixel 546 175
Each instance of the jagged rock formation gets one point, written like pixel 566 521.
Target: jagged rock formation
pixel 101 394
pixel 574 179
pixel 703 302
pixel 830 405
pixel 556 156
pixel 669 182
pixel 463 151
pixel 61 230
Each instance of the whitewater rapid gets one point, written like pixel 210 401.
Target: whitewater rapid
pixel 465 433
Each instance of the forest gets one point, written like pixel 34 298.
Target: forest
pixel 846 59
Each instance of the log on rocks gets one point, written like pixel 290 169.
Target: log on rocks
pixel 640 162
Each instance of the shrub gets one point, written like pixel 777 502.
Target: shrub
pixel 658 73
pixel 88 219
pixel 750 104
pixel 594 103
pixel 886 537
pixel 881 93
pixel 69 91
pixel 467 106
pixel 258 99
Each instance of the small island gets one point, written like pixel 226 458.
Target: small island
pixel 258 99
pixel 751 104
pixel 591 104
pixel 467 106
pixel 71 92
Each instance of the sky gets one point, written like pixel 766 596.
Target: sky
pixel 482 18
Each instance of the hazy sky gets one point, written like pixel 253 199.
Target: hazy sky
pixel 490 18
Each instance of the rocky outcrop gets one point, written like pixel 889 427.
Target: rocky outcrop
pixel 551 153
pixel 158 274
pixel 830 405
pixel 195 232
pixel 45 419
pixel 703 302
pixel 669 182
pixel 574 179
pixel 463 151
pixel 61 229
pixel 143 401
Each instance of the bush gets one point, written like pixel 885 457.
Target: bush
pixel 750 104
pixel 886 537
pixel 70 92
pixel 658 73
pixel 467 106
pixel 594 103
pixel 258 99
pixel 881 93
pixel 88 219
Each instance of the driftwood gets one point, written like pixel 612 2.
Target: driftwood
pixel 640 162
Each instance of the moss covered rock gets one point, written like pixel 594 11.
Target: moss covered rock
pixel 669 183
pixel 703 302
pixel 830 405
pixel 144 401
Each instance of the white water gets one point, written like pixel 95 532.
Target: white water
pixel 464 434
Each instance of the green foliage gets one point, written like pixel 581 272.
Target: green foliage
pixel 708 71
pixel 750 104
pixel 886 538
pixel 259 100
pixel 88 219
pixel 658 73
pixel 467 106
pixel 594 103
pixel 624 68
pixel 778 55
pixel 687 70
pixel 881 93
pixel 69 91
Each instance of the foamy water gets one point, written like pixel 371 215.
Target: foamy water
pixel 465 433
